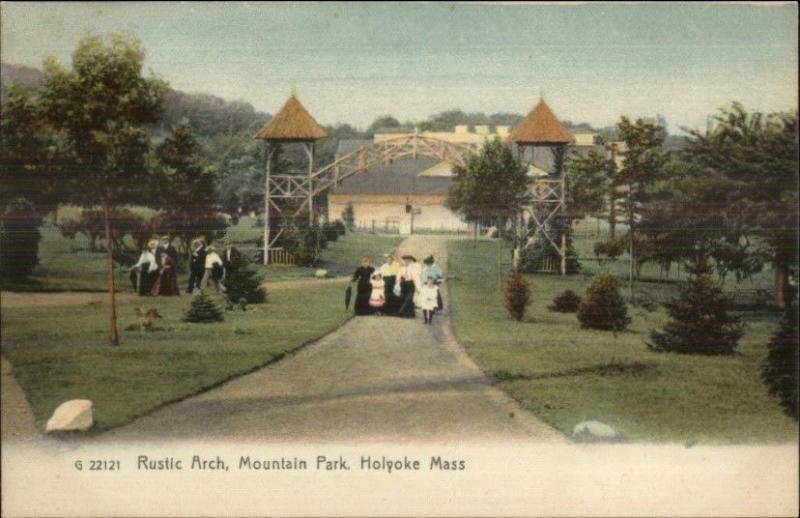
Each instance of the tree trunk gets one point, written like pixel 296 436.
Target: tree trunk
pixel 112 302
pixel 475 235
pixel 780 287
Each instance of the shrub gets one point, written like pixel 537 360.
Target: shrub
pixel 699 321
pixel 19 240
pixel 779 370
pixel 518 295
pixel 566 302
pixel 203 310
pixel 340 227
pixel 602 306
pixel 330 231
pixel 243 282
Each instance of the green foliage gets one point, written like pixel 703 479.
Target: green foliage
pixel 244 282
pixel 332 230
pixel 19 240
pixel 590 184
pixel 494 184
pixel 734 196
pixel 518 295
pixel 700 323
pixel 203 310
pixel 349 217
pixel 187 193
pixel 565 302
pixel 124 223
pixel 108 142
pixel 31 156
pixel 611 248
pixel 602 306
pixel 780 368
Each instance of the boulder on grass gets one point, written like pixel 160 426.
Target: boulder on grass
pixel 321 274
pixel 75 414
pixel 595 431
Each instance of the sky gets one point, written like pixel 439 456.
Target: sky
pixel 350 63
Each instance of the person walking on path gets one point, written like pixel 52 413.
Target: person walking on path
pixel 433 271
pixel 213 270
pixel 197 265
pixel 408 276
pixel 389 271
pixel 377 299
pixel 363 276
pixel 428 299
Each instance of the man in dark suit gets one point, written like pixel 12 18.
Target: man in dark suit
pixel 197 265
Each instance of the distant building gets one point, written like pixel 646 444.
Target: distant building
pixel 409 194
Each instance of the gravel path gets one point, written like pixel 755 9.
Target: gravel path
pixel 375 378
pixel 18 423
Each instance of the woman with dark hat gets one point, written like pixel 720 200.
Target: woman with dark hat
pixel 363 275
pixel 408 275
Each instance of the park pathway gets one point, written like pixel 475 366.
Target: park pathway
pixel 379 379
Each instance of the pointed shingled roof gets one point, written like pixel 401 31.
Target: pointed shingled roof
pixel 541 126
pixel 292 122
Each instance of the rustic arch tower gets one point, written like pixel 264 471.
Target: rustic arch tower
pixel 542 129
pixel 291 125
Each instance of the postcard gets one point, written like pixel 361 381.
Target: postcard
pixel 399 259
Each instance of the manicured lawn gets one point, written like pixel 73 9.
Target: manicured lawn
pixel 565 374
pixel 69 265
pixel 61 353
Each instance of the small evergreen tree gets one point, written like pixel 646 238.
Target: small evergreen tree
pixel 602 307
pixel 699 321
pixel 780 369
pixel 243 282
pixel 566 302
pixel 518 295
pixel 203 310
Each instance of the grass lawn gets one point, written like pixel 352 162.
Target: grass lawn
pixel 68 265
pixel 566 375
pixel 61 353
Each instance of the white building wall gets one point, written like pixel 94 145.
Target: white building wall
pixel 383 216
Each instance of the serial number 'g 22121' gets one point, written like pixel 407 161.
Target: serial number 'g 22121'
pixel 104 465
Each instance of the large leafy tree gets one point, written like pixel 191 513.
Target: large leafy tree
pixel 734 197
pixel 101 107
pixel 188 196
pixel 638 180
pixel 492 186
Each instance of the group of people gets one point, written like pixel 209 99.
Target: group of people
pixel 155 272
pixel 398 287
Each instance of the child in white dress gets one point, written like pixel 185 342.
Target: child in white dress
pixel 377 298
pixel 428 299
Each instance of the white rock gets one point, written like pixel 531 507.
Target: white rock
pixel 321 274
pixel 594 431
pixel 75 414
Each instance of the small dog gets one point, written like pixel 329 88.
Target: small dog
pixel 147 319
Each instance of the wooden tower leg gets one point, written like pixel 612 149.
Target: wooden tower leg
pixel 310 152
pixel 270 150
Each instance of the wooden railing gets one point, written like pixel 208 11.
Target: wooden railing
pixel 280 257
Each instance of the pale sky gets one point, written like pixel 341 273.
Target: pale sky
pixel 354 62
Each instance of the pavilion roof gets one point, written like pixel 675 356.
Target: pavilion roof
pixel 292 122
pixel 541 126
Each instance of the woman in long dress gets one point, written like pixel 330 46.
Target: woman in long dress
pixel 167 283
pixel 389 271
pixel 407 287
pixel 363 276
